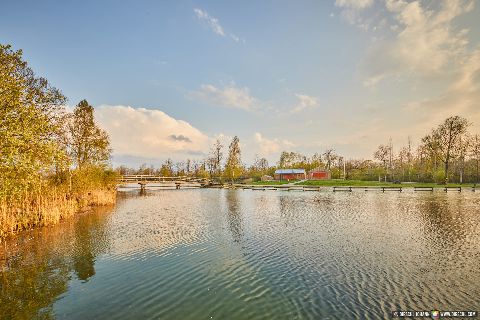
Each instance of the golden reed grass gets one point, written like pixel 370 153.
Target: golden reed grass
pixel 46 208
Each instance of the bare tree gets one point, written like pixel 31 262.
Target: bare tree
pixel 382 155
pixel 409 158
pixel 210 163
pixel 260 164
pixel 215 159
pixel 188 167
pixel 329 156
pixel 462 153
pixel 445 140
pixel 475 153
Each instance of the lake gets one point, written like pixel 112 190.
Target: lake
pixel 243 254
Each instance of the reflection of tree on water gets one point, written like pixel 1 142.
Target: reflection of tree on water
pixel 234 215
pixel 89 232
pixel 39 263
pixel 29 288
pixel 288 209
pixel 282 203
pixel 444 223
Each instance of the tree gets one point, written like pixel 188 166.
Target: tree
pixel 291 159
pixel 390 162
pixel 167 168
pixel 180 168
pixel 382 154
pixel 261 165
pixel 463 147
pixel 401 159
pixel 233 167
pixel 329 156
pixel 90 144
pixel 188 167
pixel 409 158
pixel 445 140
pixel 123 170
pixel 475 153
pixel 211 165
pixel 215 159
pixel 31 113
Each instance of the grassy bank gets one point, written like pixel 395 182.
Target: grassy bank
pixel 273 183
pixel 360 183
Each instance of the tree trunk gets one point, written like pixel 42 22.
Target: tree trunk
pixel 446 171
pixel 477 171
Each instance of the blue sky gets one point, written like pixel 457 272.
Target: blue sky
pixel 282 75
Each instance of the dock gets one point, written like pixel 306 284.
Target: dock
pixel 184 182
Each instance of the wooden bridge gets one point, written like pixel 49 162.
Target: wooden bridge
pixel 160 181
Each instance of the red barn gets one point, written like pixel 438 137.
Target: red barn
pixel 290 174
pixel 319 174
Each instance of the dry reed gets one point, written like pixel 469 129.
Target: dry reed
pixel 46 208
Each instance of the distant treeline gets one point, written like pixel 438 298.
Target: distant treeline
pixel 52 162
pixel 449 153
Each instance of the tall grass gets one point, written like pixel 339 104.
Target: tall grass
pixel 55 199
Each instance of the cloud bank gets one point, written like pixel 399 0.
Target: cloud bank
pixel 150 133
pixel 425 41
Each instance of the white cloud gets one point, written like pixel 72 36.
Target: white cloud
pixel 468 76
pixel 228 96
pixel 234 37
pixel 147 133
pixel 356 4
pixel 267 147
pixel 304 102
pixel 351 12
pixel 212 22
pixel 460 98
pixel 425 41
pixel 214 25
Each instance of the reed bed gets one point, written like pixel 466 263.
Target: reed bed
pixel 47 208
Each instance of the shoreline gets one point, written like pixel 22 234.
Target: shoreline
pixel 360 183
pixel 46 212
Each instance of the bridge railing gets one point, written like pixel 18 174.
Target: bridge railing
pixel 152 178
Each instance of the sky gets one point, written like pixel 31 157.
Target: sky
pixel 168 78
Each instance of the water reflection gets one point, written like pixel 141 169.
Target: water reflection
pixel 142 192
pixel 91 240
pixel 445 224
pixel 197 254
pixel 234 215
pixel 37 267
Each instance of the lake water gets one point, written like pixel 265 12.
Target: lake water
pixel 234 254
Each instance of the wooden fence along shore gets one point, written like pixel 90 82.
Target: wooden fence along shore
pixel 183 182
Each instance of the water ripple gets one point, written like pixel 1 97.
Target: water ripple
pixel 203 254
